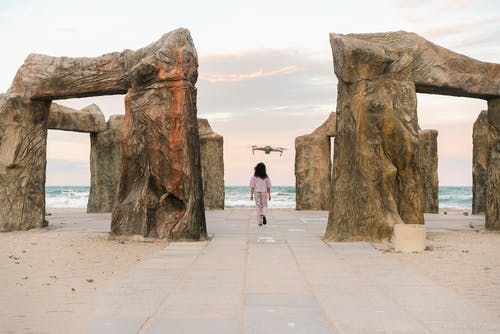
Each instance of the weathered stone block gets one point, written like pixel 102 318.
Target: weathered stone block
pixel 160 192
pixel 313 167
pixel 376 179
pixel 375 164
pixel 328 128
pixel 105 165
pixel 23 141
pixel 312 172
pixel 492 216
pixel 405 56
pixel 428 162
pixel 409 238
pixel 479 163
pixel 212 165
pixel 89 119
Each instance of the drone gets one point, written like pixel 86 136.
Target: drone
pixel 268 149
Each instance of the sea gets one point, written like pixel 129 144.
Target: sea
pixel 459 198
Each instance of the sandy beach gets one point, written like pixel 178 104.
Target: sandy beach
pixel 50 276
pixel 466 261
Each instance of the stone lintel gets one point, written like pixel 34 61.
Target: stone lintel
pixel 89 119
pixel 407 56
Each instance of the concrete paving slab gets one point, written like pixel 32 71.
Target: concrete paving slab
pixel 281 278
pixel 264 319
pixel 115 325
pixel 192 326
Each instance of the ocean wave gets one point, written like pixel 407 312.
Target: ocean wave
pixel 239 197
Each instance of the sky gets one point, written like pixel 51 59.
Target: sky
pixel 265 67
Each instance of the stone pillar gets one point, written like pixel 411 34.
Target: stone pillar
pixel 376 178
pixel 312 172
pixel 105 165
pixel 160 192
pixel 428 163
pixel 23 146
pixel 479 163
pixel 493 178
pixel 212 165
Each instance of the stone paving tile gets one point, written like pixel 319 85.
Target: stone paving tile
pixel 193 326
pixel 281 278
pixel 116 325
pixel 272 319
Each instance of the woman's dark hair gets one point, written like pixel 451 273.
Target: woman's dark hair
pixel 260 170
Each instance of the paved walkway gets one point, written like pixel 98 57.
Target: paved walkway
pixel 280 278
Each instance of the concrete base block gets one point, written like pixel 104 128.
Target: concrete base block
pixel 409 237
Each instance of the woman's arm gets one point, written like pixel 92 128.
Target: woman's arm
pixel 251 193
pixel 269 192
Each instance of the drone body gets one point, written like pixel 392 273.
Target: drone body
pixel 268 149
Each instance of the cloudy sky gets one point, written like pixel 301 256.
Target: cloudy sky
pixel 265 67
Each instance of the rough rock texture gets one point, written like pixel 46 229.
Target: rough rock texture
pixel 428 162
pixel 89 119
pixel 105 165
pixel 376 180
pixel 23 141
pixel 160 192
pixel 312 172
pixel 328 128
pixel 493 182
pixel 480 163
pixel 212 165
pixel 313 167
pixel 405 56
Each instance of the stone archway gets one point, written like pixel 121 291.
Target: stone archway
pixel 105 149
pixel 160 192
pixel 313 166
pixel 377 141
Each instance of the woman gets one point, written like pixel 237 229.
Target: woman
pixel 260 184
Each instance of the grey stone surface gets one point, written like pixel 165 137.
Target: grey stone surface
pixel 428 162
pixel 105 164
pixel 212 165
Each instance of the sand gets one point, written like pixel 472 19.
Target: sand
pixel 49 277
pixel 466 261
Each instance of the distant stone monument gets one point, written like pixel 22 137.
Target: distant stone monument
pixel 313 167
pixel 376 176
pixel 105 149
pixel 105 164
pixel 160 192
pixel 428 162
pixel 480 163
pixel 212 165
